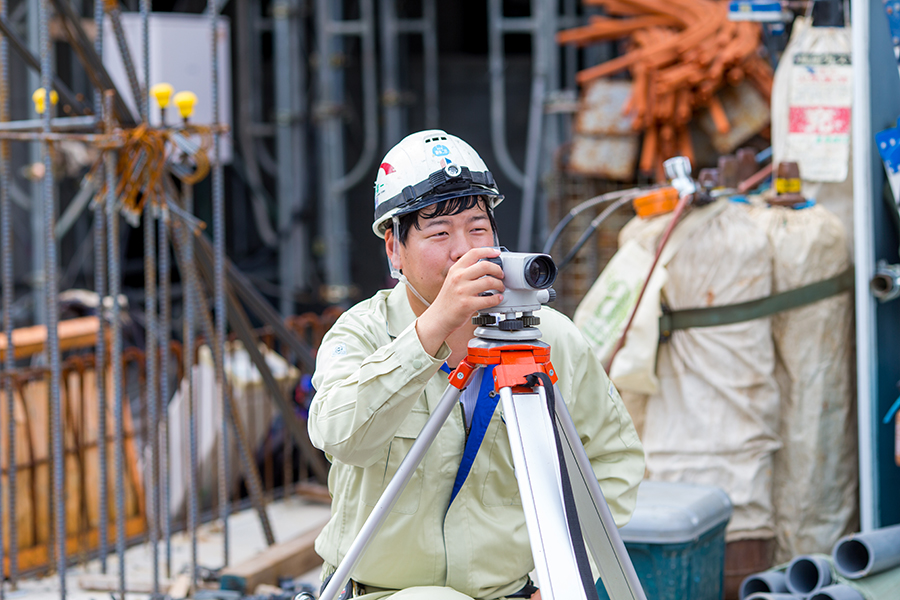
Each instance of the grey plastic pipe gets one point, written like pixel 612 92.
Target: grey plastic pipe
pixel 863 554
pixel 808 574
pixel 837 592
pixel 773 596
pixel 767 581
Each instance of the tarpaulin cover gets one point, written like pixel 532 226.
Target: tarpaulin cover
pixel 714 418
pixel 815 476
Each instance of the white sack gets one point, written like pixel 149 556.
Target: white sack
pixel 714 418
pixel 815 477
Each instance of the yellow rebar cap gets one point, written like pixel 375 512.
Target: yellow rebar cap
pixel 39 97
pixel 163 93
pixel 185 102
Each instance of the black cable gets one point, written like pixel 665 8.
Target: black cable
pixel 581 558
pixel 587 204
pixel 595 224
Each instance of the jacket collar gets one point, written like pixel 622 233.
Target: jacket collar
pixel 399 312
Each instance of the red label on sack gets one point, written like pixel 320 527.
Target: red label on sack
pixel 819 120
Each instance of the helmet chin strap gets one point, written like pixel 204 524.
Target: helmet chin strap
pixel 396 273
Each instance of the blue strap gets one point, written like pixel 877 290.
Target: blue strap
pixel 446 369
pixel 484 409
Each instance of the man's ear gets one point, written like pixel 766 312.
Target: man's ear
pixel 391 248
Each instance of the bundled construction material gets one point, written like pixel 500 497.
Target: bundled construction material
pixel 815 473
pixel 681 55
pixel 713 419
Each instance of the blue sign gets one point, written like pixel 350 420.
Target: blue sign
pixel 440 150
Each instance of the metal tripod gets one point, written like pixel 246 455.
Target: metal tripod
pixel 516 354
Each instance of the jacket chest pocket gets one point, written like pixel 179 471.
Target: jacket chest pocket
pixel 500 486
pixel 380 474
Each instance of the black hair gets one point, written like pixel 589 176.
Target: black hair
pixel 447 208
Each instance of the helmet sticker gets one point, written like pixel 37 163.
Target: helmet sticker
pixel 387 168
pixel 440 150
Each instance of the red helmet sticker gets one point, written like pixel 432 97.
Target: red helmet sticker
pixel 388 169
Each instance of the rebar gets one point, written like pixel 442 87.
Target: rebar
pixel 52 308
pixel 144 98
pixel 165 306
pixel 100 288
pixel 115 281
pixel 251 474
pixel 98 49
pixel 66 96
pixel 218 206
pixel 115 19
pixel 8 297
pixel 151 385
pixel 188 301
pixel 100 370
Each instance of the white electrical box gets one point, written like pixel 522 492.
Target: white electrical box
pixel 181 55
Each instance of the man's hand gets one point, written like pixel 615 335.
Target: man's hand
pixel 461 297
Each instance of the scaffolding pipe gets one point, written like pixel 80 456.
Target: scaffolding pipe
pixel 499 26
pixel 391 28
pixel 290 100
pixel 863 554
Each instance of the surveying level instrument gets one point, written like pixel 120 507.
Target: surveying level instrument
pixel 561 497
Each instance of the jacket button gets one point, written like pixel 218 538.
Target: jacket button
pixel 417 364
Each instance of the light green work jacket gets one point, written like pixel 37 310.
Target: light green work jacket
pixel 376 387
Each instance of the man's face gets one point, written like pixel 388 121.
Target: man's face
pixel 432 248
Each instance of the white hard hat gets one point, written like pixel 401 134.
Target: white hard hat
pixel 425 168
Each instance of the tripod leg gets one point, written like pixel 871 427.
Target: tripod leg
pixel 391 493
pixel 600 531
pixel 537 471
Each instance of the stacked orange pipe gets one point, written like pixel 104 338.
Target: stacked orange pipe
pixel 680 53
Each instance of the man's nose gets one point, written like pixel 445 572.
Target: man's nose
pixel 459 246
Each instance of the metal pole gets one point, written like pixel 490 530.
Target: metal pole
pixel 498 93
pixel 393 112
pixel 52 309
pixel 165 308
pixel 8 297
pixel 334 184
pixel 188 301
pixel 430 51
pixel 218 206
pixel 115 282
pixel 290 97
pixel 37 224
pixel 100 351
pixel 151 385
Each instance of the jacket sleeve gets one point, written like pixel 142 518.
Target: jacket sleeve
pixel 364 391
pixel 604 425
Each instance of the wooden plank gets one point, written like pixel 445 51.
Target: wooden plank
pixel 97 582
pixel 180 588
pixel 288 559
pixel 314 492
pixel 73 334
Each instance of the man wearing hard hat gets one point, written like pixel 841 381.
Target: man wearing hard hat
pixel 456 531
